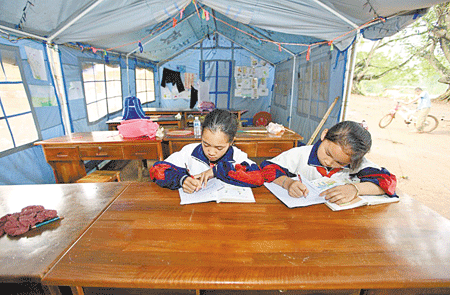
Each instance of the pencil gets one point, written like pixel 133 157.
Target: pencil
pixel 47 222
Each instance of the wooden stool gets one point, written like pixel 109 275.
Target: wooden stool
pixel 101 176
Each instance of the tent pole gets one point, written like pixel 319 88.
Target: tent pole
pixel 60 93
pixel 128 74
pixel 292 91
pixel 348 85
pixel 74 20
pixel 337 14
pixel 23 33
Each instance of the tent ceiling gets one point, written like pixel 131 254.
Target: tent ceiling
pixel 261 26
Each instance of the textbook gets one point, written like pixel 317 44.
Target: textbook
pixel 366 200
pixel 218 191
pixel 317 186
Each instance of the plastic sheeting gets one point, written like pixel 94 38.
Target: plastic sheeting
pixel 122 24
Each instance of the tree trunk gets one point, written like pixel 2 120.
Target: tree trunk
pixel 445 96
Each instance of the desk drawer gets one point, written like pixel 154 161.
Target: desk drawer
pixel 148 151
pixel 101 152
pixel 176 146
pixel 61 154
pixel 249 147
pixel 272 149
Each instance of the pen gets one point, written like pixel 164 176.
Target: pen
pixel 47 222
pixel 187 169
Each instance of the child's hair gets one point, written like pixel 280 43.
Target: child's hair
pixel 353 139
pixel 221 120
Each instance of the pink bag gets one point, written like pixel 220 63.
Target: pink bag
pixel 138 128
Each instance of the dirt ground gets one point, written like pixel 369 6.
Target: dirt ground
pixel 421 161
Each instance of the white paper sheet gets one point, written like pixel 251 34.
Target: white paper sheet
pixel 218 191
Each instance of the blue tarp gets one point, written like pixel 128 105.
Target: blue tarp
pixel 295 39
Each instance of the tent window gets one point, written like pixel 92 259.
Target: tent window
pixel 282 85
pixel 313 88
pixel 17 123
pixel 102 89
pixel 145 85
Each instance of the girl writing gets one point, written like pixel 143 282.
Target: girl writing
pixel 194 164
pixel 339 153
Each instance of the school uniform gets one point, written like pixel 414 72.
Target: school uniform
pixel 234 167
pixel 303 160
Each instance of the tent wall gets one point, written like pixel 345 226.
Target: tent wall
pixel 26 164
pixel 190 61
pixel 317 82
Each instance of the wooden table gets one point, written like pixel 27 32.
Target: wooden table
pixel 252 140
pixel 165 120
pixel 187 114
pixel 145 239
pixel 26 258
pixel 66 154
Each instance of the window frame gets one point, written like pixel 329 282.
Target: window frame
pixel 317 87
pixel 16 148
pixel 95 62
pixel 146 90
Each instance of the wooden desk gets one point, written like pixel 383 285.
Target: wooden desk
pixel 170 121
pixel 145 239
pixel 255 144
pixel 187 114
pixel 26 258
pixel 66 154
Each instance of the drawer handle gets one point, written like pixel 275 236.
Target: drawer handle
pixel 140 154
pixel 62 155
pixel 275 150
pixel 101 155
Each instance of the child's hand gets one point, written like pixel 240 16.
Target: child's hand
pixel 297 189
pixel 191 185
pixel 340 194
pixel 204 176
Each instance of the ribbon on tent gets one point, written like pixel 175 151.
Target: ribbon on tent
pixel 205 15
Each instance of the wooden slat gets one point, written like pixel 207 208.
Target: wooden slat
pixel 147 240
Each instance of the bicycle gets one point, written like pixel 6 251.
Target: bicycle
pixel 431 122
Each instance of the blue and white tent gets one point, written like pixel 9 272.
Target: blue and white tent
pixel 66 66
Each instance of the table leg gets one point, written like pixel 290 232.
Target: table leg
pixel 77 290
pixel 51 290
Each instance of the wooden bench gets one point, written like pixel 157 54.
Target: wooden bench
pixel 101 176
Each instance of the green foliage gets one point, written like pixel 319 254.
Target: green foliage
pixel 410 45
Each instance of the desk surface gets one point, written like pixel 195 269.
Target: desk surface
pixel 27 257
pixel 94 137
pixel 183 110
pixel 246 133
pixel 145 239
pixel 156 118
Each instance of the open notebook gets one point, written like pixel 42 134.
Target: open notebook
pixel 317 186
pixel 218 191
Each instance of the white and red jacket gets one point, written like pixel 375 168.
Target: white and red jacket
pixel 234 167
pixel 303 160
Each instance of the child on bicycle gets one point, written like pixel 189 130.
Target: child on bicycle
pixel 423 108
pixel 194 164
pixel 339 153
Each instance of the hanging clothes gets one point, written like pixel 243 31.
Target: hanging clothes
pixel 194 97
pixel 173 77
